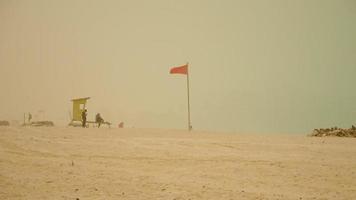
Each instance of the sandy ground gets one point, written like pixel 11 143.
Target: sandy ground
pixel 76 163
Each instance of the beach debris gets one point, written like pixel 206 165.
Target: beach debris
pixel 41 123
pixel 4 123
pixel 334 131
pixel 121 125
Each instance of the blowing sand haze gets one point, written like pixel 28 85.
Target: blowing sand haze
pixel 76 163
pixel 239 66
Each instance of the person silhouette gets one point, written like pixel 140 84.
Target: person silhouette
pixel 84 118
pixel 99 119
pixel 29 117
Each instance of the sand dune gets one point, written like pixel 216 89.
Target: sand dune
pixel 76 163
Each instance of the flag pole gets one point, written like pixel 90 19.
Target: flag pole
pixel 189 123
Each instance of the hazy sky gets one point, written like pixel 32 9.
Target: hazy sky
pixel 255 66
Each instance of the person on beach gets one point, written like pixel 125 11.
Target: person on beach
pixel 99 119
pixel 84 118
pixel 29 117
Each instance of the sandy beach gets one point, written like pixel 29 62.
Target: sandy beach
pixel 76 163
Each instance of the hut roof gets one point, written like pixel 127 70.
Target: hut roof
pixel 85 98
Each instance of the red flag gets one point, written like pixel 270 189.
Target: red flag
pixel 180 70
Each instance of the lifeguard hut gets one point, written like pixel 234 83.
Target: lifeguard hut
pixel 78 107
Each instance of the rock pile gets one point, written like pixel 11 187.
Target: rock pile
pixel 4 123
pixel 335 131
